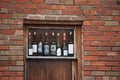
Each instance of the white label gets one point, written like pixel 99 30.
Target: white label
pixel 46 49
pixel 65 53
pixel 59 52
pixel 70 49
pixel 40 47
pixel 34 48
pixel 30 51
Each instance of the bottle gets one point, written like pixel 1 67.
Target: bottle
pixel 46 45
pixel 53 45
pixel 65 50
pixel 59 52
pixel 71 45
pixel 30 49
pixel 34 43
pixel 40 50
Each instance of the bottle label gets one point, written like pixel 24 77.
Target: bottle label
pixel 34 48
pixel 70 49
pixel 30 51
pixel 59 52
pixel 40 47
pixel 53 49
pixel 65 53
pixel 46 49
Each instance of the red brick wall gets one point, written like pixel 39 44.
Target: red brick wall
pixel 100 34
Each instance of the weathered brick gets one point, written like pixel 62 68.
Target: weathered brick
pixel 50 17
pixel 66 1
pixel 15 37
pixel 115 48
pixel 88 78
pixel 3 10
pixel 52 1
pixel 96 73
pixel 95 1
pixel 106 17
pixel 87 63
pixel 19 16
pixel 115 12
pixel 81 17
pixel 116 68
pixel 4 78
pixel 112 73
pixel 86 23
pixel 105 77
pixel 15 68
pixel 37 1
pixel 112 63
pixel 89 57
pixel 7 63
pixel 4 68
pixel 104 68
pixel 15 47
pixel 19 42
pixel 16 57
pixel 52 12
pixel 107 23
pixel 86 7
pixel 91 68
pixel 7 1
pixel 19 63
pixel 10 74
pixel 104 48
pixel 4 57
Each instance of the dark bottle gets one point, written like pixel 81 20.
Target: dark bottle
pixel 53 45
pixel 65 50
pixel 59 51
pixel 71 45
pixel 34 45
pixel 30 49
pixel 40 49
pixel 46 45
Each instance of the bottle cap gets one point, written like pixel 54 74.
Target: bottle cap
pixel 34 33
pixel 70 32
pixel 58 34
pixel 46 33
pixel 53 33
pixel 29 33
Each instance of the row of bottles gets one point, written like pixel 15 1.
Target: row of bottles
pixel 53 48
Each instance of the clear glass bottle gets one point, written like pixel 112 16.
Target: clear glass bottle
pixel 34 45
pixel 40 48
pixel 30 49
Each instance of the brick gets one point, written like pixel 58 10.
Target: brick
pixel 19 78
pixel 107 23
pixel 29 6
pixel 96 73
pixel 37 1
pixel 52 12
pixel 15 47
pixel 5 16
pixel 8 32
pixel 86 7
pixel 4 57
pixel 4 78
pixel 44 6
pixel 113 78
pixel 21 1
pixel 15 37
pixel 116 18
pixel 88 78
pixel 4 47
pixel 117 43
pixel 90 68
pixel 116 68
pixel 86 23
pixel 111 73
pixel 10 74
pixel 99 78
pixel 20 73
pixel 7 63
pixel 58 7
pixel 115 12
pixel 95 1
pixel 87 73
pixel 115 48
pixel 81 17
pixel 104 48
pixel 4 10
pixel 8 42
pixel 7 1
pixel 19 42
pixel 112 63
pixel 106 17
pixel 4 68
pixel 16 57
pixel 19 63
pixel 104 68
pixel 105 58
pixel 19 16
pixel 92 17
pixel 100 23
pixel 15 68
pixel 52 1
pixel 100 63
pixel 89 48
pixel 66 1
pixel 81 2
pixel 1 42
pixel 89 57
pixel 96 43
pixel 63 17
pixel 87 63
pixel 105 78
pixel 19 32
